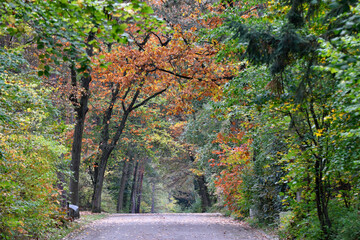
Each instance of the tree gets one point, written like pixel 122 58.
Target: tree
pixel 71 38
pixel 137 75
pixel 298 95
pixel 96 16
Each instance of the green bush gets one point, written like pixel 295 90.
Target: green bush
pixel 303 223
pixel 300 227
pixel 346 224
pixel 31 151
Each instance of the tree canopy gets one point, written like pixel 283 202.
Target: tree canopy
pixel 246 107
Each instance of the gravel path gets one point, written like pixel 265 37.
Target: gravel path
pixel 168 227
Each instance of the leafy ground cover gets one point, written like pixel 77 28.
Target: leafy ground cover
pixel 75 226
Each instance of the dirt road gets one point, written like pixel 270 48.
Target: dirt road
pixel 167 227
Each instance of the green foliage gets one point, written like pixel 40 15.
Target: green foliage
pixel 202 130
pixel 61 28
pixel 31 152
pixel 299 92
pixel 32 149
pixel 346 224
pixel 307 226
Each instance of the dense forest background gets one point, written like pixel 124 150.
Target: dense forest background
pixel 247 107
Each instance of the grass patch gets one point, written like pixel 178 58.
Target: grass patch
pixel 85 219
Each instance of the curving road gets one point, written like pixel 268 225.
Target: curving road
pixel 168 226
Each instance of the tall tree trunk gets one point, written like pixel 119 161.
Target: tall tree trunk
pixel 105 147
pixel 99 180
pixel 203 192
pixel 321 191
pixel 123 181
pixel 106 150
pixel 153 197
pixel 139 186
pixel 81 111
pixel 75 160
pixel 321 200
pixel 81 108
pixel 202 189
pixel 126 202
pixel 133 189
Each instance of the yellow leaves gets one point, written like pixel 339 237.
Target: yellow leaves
pixel 319 132
pixel 196 172
pixel 328 118
pixel 12 19
pixel 28 177
pixel 80 2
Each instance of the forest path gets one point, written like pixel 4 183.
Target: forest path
pixel 205 226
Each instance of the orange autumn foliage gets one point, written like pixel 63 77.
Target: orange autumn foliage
pixel 155 62
pixel 233 161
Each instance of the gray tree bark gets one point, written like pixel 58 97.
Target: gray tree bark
pixel 81 109
pixel 123 181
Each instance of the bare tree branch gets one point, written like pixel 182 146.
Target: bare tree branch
pixel 149 98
